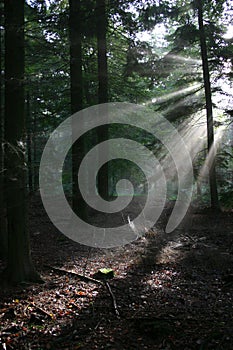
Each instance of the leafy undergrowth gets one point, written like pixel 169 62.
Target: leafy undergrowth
pixel 172 291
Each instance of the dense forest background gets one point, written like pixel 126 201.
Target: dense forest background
pixel 58 57
pixel 163 290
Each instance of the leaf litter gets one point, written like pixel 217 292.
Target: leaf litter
pixel 165 291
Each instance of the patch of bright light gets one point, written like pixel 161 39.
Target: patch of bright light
pixel 182 59
pixel 159 32
pixel 229 33
pixel 180 92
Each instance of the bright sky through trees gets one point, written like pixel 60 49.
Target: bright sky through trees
pixel 229 33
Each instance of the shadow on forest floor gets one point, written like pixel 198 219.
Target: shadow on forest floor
pixel 172 291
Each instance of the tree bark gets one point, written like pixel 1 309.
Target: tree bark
pixel 102 132
pixel 209 110
pixel 29 144
pixel 3 226
pixel 35 157
pixel 78 149
pixel 19 263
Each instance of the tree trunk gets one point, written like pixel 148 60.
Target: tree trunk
pixel 3 226
pixel 209 110
pixel 19 264
pixel 29 144
pixel 102 132
pixel 35 170
pixel 78 149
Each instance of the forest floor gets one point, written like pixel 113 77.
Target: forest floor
pixel 172 291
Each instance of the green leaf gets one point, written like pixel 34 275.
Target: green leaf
pixel 104 273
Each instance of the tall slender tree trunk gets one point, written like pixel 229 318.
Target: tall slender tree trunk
pixel 19 263
pixel 3 226
pixel 34 154
pixel 29 144
pixel 209 110
pixel 78 149
pixel 102 133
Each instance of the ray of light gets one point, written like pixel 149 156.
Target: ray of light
pixel 182 59
pixel 177 93
pixel 211 156
pixel 194 136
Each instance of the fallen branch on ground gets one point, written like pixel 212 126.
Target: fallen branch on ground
pixel 75 274
pixel 113 300
pixel 90 279
pixel 38 308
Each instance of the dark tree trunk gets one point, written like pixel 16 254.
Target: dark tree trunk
pixel 35 170
pixel 209 110
pixel 78 149
pixel 29 144
pixel 3 226
pixel 102 133
pixel 19 264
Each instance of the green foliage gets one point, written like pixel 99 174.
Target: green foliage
pixel 156 74
pixel 226 197
pixel 104 274
pixel 225 179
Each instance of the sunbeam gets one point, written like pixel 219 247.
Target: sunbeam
pixel 182 59
pixel 179 93
pixel 194 137
pixel 211 156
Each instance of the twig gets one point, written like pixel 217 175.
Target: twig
pixel 93 280
pixel 98 324
pixel 113 299
pixel 81 277
pixel 40 309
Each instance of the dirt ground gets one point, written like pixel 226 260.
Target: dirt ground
pixel 169 291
